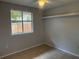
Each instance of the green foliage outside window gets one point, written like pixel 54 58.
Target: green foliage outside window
pixel 15 15
pixel 18 15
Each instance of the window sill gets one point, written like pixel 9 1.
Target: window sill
pixel 15 34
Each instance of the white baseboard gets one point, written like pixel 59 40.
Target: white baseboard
pixel 37 46
pixel 21 50
pixel 49 44
pixel 64 50
pixel 68 52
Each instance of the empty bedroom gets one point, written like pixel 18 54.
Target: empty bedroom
pixel 39 29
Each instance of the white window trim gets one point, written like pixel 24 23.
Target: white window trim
pixel 21 33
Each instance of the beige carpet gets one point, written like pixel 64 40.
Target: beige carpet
pixel 42 52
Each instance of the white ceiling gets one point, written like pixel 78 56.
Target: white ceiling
pixel 52 4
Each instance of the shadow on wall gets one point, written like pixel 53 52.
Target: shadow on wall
pixel 63 32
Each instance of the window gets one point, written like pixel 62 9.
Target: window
pixel 21 22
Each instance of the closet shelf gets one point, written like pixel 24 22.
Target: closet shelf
pixel 61 15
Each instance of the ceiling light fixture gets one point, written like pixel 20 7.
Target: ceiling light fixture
pixel 42 3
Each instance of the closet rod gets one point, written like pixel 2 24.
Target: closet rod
pixel 62 15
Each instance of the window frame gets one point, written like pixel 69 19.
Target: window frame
pixel 20 33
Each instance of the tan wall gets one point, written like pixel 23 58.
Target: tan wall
pixel 63 32
pixel 10 43
pixel 68 8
